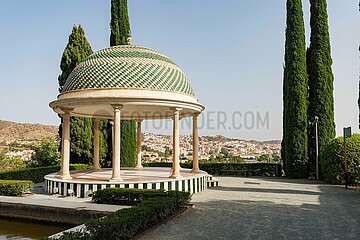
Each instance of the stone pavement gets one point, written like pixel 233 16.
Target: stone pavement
pixel 61 202
pixel 267 208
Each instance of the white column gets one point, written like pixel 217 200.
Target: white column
pixel 138 145
pixel 195 168
pixel 116 148
pixel 96 162
pixel 112 139
pixel 65 146
pixel 176 144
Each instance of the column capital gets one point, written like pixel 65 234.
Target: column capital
pixel 196 115
pixel 139 120
pixel 66 110
pixel 175 109
pixel 117 106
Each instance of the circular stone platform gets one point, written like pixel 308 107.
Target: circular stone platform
pixel 85 182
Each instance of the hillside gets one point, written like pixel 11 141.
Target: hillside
pixel 11 131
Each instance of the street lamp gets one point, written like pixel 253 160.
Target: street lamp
pixel 315 122
pixel 317 147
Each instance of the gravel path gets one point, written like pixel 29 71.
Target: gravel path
pixel 267 208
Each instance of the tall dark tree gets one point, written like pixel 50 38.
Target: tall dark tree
pixel 321 97
pixel 119 23
pixel 76 50
pixel 120 35
pixel 295 122
pixel 81 133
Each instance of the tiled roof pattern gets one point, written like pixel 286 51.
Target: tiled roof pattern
pixel 128 66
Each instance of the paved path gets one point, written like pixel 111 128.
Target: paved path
pixel 267 208
pixel 62 202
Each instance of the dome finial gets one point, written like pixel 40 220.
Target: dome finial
pixel 129 40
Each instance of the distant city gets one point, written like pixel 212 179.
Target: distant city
pixel 157 147
pixel 211 147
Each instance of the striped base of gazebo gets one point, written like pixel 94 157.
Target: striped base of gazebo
pixel 85 183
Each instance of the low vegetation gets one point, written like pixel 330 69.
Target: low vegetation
pixel 332 160
pixel 126 196
pixel 239 169
pixel 152 207
pixel 46 153
pixel 14 187
pixel 10 163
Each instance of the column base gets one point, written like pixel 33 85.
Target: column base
pixel 96 168
pixel 195 170
pixel 175 175
pixel 139 167
pixel 65 177
pixel 115 179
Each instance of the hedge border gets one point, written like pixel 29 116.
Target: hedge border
pixel 128 222
pixel 237 169
pixel 130 197
pixel 14 187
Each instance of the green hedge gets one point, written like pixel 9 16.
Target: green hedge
pixel 14 187
pixel 127 223
pixel 332 160
pixel 126 196
pixel 164 164
pixel 36 175
pixel 240 169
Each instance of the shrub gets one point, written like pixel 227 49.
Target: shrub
pixel 126 223
pixel 36 175
pixel 162 164
pixel 46 153
pixel 79 166
pixel 332 160
pixel 72 236
pixel 10 163
pixel 155 207
pixel 240 169
pixel 14 187
pixel 125 196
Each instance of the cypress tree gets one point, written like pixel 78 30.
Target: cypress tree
pixel 120 34
pixel 295 94
pixel 119 23
pixel 321 98
pixel 81 129
pixel 76 50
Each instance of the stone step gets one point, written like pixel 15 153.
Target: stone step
pixel 213 182
pixel 209 177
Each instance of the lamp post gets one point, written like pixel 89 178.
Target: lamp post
pixel 347 134
pixel 317 147
pixel 315 122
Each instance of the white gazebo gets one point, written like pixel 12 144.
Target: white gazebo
pixel 121 83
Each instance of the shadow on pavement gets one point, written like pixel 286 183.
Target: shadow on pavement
pixel 266 190
pixel 331 213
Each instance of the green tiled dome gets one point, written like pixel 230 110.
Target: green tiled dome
pixel 128 66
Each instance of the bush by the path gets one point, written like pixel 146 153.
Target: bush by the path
pixel 155 207
pixel 242 169
pixel 239 169
pixel 126 196
pixel 332 160
pixel 36 175
pixel 14 187
pixel 126 223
